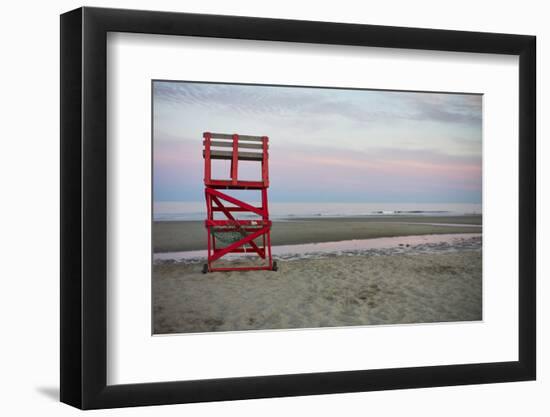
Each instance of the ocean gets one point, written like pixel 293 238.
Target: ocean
pixel 177 210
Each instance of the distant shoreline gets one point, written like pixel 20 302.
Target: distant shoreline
pixel 187 211
pixel 185 235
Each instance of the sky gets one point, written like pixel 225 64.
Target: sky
pixel 326 145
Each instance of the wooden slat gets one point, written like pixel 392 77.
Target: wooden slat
pixel 243 156
pixel 219 143
pixel 230 136
pixel 239 209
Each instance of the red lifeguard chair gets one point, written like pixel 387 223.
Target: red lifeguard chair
pixel 239 236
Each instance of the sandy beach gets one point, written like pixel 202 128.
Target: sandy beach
pixel 173 236
pixel 439 281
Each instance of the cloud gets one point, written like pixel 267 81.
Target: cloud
pixel 325 143
pixel 453 108
pixel 362 106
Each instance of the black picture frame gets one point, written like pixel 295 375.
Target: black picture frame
pixel 84 207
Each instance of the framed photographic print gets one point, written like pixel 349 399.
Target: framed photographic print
pixel 258 207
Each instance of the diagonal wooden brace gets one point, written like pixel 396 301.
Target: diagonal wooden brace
pixel 233 200
pixel 238 243
pixel 255 247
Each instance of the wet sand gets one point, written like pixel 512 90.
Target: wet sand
pixel 174 236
